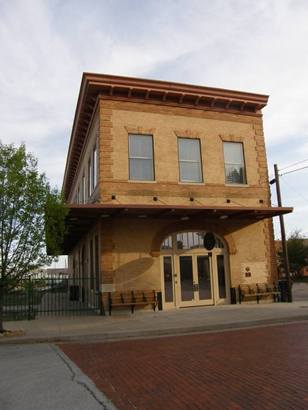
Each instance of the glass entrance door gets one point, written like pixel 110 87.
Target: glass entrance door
pixel 190 274
pixel 195 280
pixel 186 280
pixel 204 270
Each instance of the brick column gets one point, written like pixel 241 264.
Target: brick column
pixel 106 145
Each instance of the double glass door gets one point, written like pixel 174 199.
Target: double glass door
pixel 193 279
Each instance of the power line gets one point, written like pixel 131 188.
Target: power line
pixel 294 170
pixel 295 163
pixel 294 190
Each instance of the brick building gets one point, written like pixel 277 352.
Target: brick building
pixel 168 189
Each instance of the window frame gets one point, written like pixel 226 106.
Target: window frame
pixel 238 143
pixel 141 158
pixel 188 181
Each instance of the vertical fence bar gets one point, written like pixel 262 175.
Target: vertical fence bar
pixel 28 293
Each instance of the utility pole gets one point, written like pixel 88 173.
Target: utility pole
pixel 283 236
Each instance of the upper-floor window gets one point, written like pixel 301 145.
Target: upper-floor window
pixel 90 177
pixel 94 168
pixel 234 163
pixel 140 155
pixel 83 189
pixel 189 160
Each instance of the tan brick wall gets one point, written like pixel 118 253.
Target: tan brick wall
pixel 130 263
pixel 165 124
pixel 107 251
pixel 128 255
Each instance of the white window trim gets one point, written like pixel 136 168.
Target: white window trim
pixel 244 183
pixel 191 161
pixel 143 158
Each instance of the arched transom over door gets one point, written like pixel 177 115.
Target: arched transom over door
pixel 194 270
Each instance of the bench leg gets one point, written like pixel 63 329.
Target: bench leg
pixel 154 306
pixel 258 299
pixel 109 310
pixel 132 308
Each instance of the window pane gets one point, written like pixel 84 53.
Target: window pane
pixel 189 149
pixel 168 279
pixel 167 244
pixel 221 276
pixel 141 157
pixel 186 274
pixel 234 163
pixel 204 277
pixel 141 169
pixel 235 174
pixel 94 169
pixel 190 171
pixel 140 146
pixel 83 189
pixel 233 152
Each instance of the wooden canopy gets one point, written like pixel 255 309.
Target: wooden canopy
pixel 81 218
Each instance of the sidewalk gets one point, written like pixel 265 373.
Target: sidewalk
pixel 145 324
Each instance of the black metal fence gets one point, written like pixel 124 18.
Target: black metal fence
pixel 51 296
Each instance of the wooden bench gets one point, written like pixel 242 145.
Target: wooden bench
pixel 131 299
pixel 258 291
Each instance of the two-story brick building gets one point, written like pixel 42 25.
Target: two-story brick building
pixel 167 187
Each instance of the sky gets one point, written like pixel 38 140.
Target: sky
pixel 235 44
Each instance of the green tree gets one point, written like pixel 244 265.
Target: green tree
pixel 298 252
pixel 25 198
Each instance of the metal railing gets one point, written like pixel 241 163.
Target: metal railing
pixel 34 297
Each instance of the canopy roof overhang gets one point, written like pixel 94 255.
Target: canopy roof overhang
pixel 81 218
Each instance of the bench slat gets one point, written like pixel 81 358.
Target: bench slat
pixel 132 298
pixel 258 290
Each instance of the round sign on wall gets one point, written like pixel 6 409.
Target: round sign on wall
pixel 209 241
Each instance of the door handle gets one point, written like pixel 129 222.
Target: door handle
pixel 195 287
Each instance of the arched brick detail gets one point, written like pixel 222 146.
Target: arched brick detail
pixel 193 226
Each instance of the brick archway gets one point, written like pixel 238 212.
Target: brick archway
pixel 193 226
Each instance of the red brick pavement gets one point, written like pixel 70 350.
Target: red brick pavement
pixel 261 368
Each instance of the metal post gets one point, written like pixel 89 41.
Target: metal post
pixel 283 237
pixel 101 304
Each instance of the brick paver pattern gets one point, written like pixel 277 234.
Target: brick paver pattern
pixel 261 368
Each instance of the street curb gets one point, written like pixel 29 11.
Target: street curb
pixel 152 333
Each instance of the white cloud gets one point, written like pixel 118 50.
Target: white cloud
pixel 255 46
